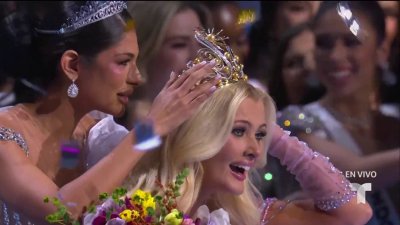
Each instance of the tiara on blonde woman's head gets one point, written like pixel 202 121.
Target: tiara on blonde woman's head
pixel 227 64
pixel 89 13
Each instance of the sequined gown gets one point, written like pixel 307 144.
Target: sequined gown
pixel 24 134
pixel 316 119
pixel 8 216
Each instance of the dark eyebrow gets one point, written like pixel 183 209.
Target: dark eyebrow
pixel 127 53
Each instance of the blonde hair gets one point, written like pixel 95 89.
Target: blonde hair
pixel 201 138
pixel 152 21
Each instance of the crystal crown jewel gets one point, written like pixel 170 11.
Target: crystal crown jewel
pixel 227 64
pixel 89 13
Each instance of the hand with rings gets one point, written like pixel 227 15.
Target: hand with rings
pixel 181 96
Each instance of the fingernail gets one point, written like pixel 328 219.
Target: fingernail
pixel 213 88
pixel 172 74
pixel 203 63
pixel 212 62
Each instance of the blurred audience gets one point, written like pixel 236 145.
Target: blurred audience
pixel 276 17
pixel 166 38
pixel 226 17
pixel 347 122
pixel 390 74
pixel 291 79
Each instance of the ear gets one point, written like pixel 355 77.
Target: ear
pixel 69 64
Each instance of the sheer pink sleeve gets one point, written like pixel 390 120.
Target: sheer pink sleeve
pixel 316 175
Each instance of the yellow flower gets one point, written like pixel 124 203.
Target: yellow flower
pixel 140 194
pixel 148 203
pixel 135 214
pixel 144 199
pixel 173 218
pixel 128 215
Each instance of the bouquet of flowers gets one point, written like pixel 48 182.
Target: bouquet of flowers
pixel 139 208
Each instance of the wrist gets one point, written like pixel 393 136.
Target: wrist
pixel 146 136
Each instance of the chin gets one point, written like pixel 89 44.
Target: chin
pixel 120 113
pixel 235 189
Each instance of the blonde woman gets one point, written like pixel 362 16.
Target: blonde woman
pixel 222 144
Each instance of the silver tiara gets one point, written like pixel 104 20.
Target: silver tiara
pixel 89 13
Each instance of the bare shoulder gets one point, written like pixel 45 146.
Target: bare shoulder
pixel 7 116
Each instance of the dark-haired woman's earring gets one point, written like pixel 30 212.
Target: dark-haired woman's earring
pixel 73 90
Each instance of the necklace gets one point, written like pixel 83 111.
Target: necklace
pixel 363 123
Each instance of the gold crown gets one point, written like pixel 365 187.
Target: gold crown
pixel 226 63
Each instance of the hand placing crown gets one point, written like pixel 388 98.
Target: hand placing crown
pixel 226 62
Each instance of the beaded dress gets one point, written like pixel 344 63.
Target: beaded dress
pixel 23 134
pixel 8 216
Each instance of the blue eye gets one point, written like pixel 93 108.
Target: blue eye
pixel 238 132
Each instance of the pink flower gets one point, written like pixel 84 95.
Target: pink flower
pixel 187 221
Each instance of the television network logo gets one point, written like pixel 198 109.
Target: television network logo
pixel 361 189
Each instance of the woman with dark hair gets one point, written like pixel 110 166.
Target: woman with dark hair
pixel 276 17
pixel 291 78
pixel 347 123
pixel 82 55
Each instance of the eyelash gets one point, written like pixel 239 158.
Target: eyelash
pixel 260 135
pixel 238 132
pixel 125 62
pixel 241 130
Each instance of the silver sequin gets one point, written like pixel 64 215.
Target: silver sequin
pixel 7 134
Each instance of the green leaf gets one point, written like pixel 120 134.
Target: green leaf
pixel 92 209
pixel 150 211
pixel 158 198
pixel 108 215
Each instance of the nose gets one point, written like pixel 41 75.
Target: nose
pixel 309 62
pixel 134 76
pixel 338 51
pixel 253 149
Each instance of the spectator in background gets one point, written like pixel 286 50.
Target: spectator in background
pixel 166 39
pixel 226 17
pixel 389 66
pixel 291 79
pixel 7 95
pixel 276 17
pixel 347 123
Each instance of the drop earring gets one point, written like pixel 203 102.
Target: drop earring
pixel 73 90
